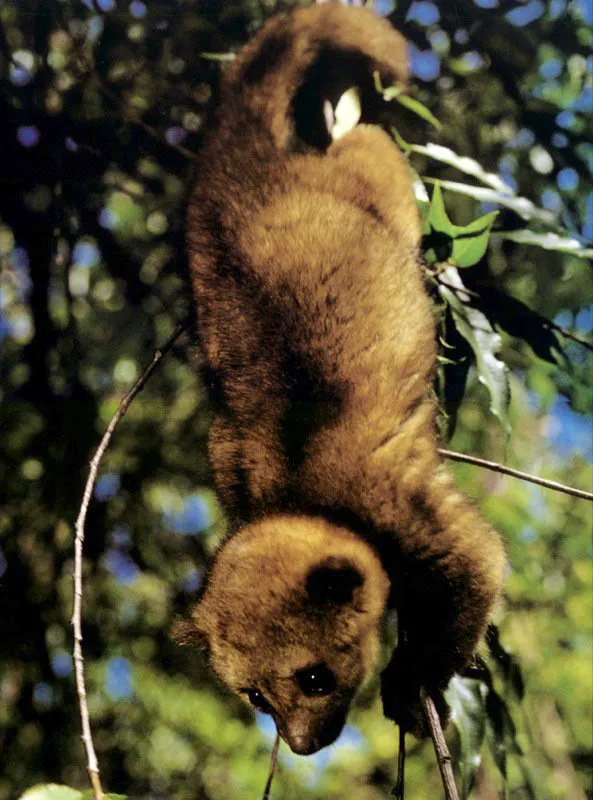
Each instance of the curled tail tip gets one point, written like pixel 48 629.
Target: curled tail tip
pixel 300 59
pixel 300 35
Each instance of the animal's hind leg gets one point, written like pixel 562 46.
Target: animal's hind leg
pixel 368 152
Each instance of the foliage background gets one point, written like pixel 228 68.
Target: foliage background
pixel 101 106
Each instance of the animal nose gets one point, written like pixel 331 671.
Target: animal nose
pixel 305 738
pixel 302 744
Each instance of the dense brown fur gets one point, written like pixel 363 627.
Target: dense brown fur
pixel 318 343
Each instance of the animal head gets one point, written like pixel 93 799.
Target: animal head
pixel 291 619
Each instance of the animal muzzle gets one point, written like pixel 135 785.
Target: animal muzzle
pixel 306 734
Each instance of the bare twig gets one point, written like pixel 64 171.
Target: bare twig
pixel 440 745
pixel 92 763
pixel 515 473
pixel 273 763
pixel 548 323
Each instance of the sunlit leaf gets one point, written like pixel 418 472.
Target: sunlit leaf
pixel 464 164
pixel 549 241
pixel 520 205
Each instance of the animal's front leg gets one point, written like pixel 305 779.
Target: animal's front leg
pixel 452 568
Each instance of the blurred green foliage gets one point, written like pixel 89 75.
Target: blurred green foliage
pixel 101 108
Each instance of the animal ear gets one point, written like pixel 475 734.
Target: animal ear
pixel 333 581
pixel 185 631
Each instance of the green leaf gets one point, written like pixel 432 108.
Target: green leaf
pixel 438 218
pixel 474 326
pixel 471 246
pixel 419 109
pixel 468 714
pixel 444 360
pixel 51 791
pixel 396 93
pixel 463 245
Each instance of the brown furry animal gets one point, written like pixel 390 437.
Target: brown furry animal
pixel 319 350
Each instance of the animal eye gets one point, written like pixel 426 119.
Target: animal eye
pixel 316 681
pixel 258 701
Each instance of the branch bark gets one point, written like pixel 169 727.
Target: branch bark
pixel 440 746
pixel 515 473
pixel 92 762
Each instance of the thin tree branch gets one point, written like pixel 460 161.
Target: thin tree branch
pixel 398 789
pixel 273 764
pixel 440 745
pixel 566 333
pixel 515 473
pixel 92 763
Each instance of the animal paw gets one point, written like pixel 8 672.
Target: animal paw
pixel 400 693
